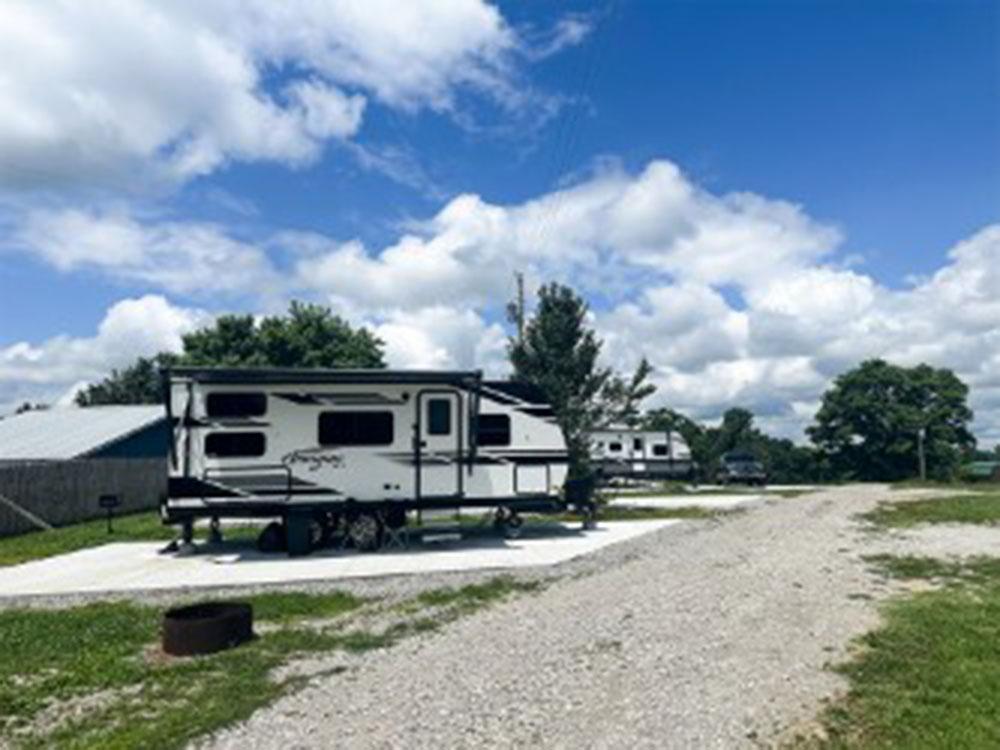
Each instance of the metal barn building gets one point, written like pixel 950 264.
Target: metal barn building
pixel 56 463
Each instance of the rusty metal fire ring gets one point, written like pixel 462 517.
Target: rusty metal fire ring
pixel 206 627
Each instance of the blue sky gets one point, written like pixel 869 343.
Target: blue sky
pixel 725 181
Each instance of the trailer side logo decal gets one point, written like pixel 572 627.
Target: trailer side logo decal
pixel 313 458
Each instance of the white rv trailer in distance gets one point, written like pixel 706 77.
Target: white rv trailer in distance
pixel 353 450
pixel 640 454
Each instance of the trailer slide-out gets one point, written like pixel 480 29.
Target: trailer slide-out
pixel 352 451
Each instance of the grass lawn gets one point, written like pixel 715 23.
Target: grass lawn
pixel 136 527
pixel 657 489
pixel 610 513
pixel 93 676
pixel 933 484
pixel 685 491
pixel 37 544
pixel 982 508
pixel 930 677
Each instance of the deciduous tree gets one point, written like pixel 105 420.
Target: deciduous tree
pixel 308 336
pixel 869 421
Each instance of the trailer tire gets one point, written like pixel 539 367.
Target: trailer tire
pixel 365 532
pixel 394 518
pixel 272 538
pixel 509 524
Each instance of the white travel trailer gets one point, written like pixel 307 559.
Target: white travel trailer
pixel 354 450
pixel 640 454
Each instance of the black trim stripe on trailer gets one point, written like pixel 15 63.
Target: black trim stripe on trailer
pixel 192 422
pixel 189 487
pixel 338 399
pixel 267 508
pixel 541 412
pixel 304 376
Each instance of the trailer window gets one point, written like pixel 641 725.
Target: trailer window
pixel 494 429
pixel 356 428
pixel 659 450
pixel 234 404
pixel 235 444
pixel 439 416
pixel 637 444
pixel 615 447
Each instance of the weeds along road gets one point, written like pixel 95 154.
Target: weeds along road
pixel 708 635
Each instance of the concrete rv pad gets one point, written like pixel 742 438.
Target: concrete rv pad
pixel 139 566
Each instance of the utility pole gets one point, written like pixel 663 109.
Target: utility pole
pixel 921 457
pixel 519 306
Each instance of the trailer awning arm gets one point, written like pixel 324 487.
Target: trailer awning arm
pixel 474 419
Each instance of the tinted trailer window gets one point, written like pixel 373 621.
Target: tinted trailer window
pixel 356 428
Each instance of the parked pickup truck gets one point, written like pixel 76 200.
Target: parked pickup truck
pixel 741 468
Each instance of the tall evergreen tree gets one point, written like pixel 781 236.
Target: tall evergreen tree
pixel 559 353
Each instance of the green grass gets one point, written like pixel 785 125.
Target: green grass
pixel 658 490
pixel 685 491
pixel 55 656
pixel 136 527
pixel 477 595
pixel 38 544
pixel 285 607
pixel 976 509
pixel 930 677
pixel 937 484
pixel 607 513
pixel 106 655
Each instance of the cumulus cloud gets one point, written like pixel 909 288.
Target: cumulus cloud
pixel 603 234
pixel 797 332
pixel 443 337
pixel 141 90
pixel 736 299
pixel 181 257
pixel 53 370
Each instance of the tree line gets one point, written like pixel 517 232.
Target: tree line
pixel 877 422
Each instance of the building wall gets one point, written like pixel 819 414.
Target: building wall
pixel 152 441
pixel 65 492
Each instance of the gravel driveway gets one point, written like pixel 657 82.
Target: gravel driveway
pixel 704 635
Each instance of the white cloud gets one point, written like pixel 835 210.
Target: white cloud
pixel 799 330
pixel 137 89
pixel 602 234
pixel 682 327
pixel 443 337
pixel 54 369
pixel 181 257
pixel 764 319
pixel 569 31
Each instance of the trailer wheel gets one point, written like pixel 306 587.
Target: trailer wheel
pixel 508 522
pixel 365 532
pixel 395 518
pixel 513 528
pixel 272 538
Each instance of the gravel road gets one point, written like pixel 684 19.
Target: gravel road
pixel 704 635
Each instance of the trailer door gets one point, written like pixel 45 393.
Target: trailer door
pixel 439 444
